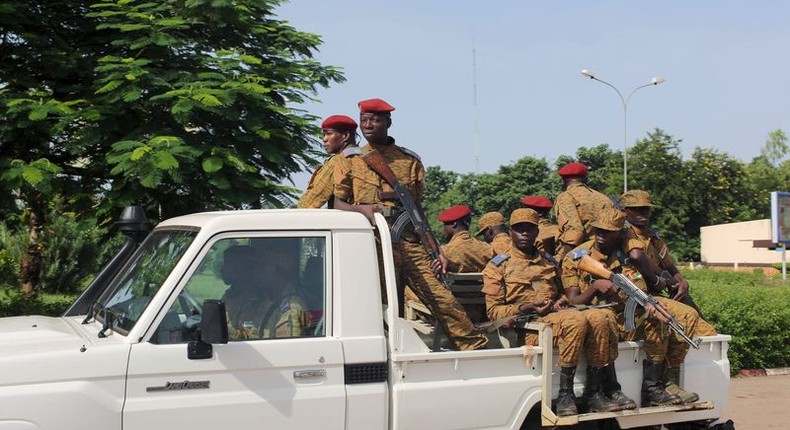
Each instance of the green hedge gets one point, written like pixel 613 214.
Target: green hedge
pixel 13 303
pixel 752 308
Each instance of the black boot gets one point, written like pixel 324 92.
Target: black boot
pixel 593 392
pixel 672 386
pixel 613 390
pixel 653 393
pixel 566 402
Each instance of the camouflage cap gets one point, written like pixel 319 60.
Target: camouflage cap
pixel 524 215
pixel 635 199
pixel 609 219
pixel 489 219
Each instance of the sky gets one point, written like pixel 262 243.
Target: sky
pixel 477 85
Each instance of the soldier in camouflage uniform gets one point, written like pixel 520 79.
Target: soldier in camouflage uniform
pixel 339 137
pixel 492 226
pixel 363 190
pixel 607 249
pixel 576 208
pixel 548 231
pixel 650 254
pixel 522 281
pixel 464 253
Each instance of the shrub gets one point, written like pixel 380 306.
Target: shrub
pixel 13 303
pixel 754 309
pixel 73 251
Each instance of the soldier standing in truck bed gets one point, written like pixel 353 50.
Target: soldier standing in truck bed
pixel 365 191
pixel 464 253
pixel 576 207
pixel 339 137
pixel 492 226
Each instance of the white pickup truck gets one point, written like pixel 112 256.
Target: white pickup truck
pixel 151 349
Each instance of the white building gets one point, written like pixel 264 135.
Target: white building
pixel 733 244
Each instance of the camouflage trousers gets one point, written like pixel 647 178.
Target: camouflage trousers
pixel 600 344
pixel 414 267
pixel 569 329
pixel 660 342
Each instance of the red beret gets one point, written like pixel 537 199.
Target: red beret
pixel 537 202
pixel 573 170
pixel 339 122
pixel 375 105
pixel 454 213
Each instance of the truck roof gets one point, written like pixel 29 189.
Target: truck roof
pixel 271 219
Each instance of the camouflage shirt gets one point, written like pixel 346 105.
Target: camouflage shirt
pixel 576 208
pixel 501 243
pixel 362 185
pixel 513 279
pixel 320 188
pixel 466 254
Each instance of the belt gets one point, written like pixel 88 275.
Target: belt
pixel 388 196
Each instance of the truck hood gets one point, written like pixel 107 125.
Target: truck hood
pixel 38 349
pixel 29 333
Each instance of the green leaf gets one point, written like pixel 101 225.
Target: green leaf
pixel 165 160
pixel 207 99
pixel 212 164
pixel 38 114
pixel 32 175
pixel 140 152
pixel 131 95
pixel 110 86
pixel 249 59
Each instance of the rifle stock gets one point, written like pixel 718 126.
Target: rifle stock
pixel 635 296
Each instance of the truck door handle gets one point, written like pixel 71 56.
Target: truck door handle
pixel 301 375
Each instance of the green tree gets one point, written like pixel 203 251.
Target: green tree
pixel 656 166
pixel 775 148
pixel 718 191
pixel 176 105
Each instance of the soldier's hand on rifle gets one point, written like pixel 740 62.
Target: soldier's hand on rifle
pixel 681 288
pixel 439 265
pixel 654 313
pixel 604 286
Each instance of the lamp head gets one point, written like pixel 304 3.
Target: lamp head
pixel 656 80
pixel 588 73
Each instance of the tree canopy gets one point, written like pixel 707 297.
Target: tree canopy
pixel 176 105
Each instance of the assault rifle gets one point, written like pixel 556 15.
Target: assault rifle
pixel 412 211
pixel 635 296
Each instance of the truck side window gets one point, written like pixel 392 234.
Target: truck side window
pixel 273 288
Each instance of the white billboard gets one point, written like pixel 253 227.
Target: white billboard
pixel 780 217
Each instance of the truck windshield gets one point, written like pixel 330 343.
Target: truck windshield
pixel 133 288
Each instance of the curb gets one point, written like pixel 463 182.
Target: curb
pixel 764 372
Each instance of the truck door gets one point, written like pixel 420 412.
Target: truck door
pixel 280 369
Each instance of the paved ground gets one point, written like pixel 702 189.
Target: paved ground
pixel 759 402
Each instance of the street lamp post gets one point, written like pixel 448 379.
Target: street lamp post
pixel 655 81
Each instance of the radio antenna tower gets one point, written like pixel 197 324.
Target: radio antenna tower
pixel 474 103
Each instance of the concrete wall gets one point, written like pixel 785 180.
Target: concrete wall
pixel 732 243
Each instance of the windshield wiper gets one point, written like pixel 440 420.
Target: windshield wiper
pixel 107 324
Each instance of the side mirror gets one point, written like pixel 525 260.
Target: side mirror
pixel 213 329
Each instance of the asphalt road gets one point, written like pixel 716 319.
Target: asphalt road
pixel 759 402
